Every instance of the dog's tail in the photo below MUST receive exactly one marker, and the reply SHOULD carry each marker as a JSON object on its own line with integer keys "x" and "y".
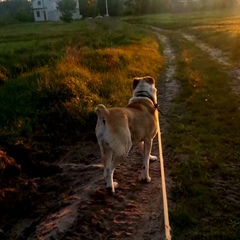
{"x": 101, "y": 111}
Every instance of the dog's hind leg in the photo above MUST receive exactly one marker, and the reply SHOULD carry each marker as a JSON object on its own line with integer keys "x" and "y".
{"x": 118, "y": 157}
{"x": 141, "y": 149}
{"x": 146, "y": 158}
{"x": 106, "y": 154}
{"x": 110, "y": 162}
{"x": 111, "y": 185}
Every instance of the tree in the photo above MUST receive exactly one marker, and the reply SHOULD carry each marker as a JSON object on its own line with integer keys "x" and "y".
{"x": 101, "y": 7}
{"x": 129, "y": 5}
{"x": 132, "y": 7}
{"x": 16, "y": 10}
{"x": 67, "y": 8}
{"x": 115, "y": 7}
{"x": 138, "y": 7}
{"x": 218, "y": 4}
{"x": 145, "y": 7}
{"x": 88, "y": 8}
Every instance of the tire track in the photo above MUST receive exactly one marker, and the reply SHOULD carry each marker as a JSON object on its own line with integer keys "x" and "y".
{"x": 168, "y": 86}
{"x": 218, "y": 56}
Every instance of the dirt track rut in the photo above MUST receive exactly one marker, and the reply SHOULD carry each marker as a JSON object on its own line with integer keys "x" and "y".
{"x": 224, "y": 62}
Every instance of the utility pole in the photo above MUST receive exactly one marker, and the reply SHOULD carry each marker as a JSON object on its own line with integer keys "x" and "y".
{"x": 107, "y": 15}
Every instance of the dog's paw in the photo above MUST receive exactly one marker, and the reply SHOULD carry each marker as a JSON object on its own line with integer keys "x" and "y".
{"x": 153, "y": 158}
{"x": 146, "y": 180}
{"x": 111, "y": 189}
{"x": 115, "y": 184}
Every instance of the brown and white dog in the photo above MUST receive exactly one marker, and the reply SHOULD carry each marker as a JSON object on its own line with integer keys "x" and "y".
{"x": 118, "y": 129}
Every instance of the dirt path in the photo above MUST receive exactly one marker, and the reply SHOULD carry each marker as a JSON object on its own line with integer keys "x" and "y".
{"x": 218, "y": 56}
{"x": 152, "y": 227}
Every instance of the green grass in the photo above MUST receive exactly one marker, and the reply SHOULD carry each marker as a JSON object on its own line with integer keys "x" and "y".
{"x": 54, "y": 74}
{"x": 183, "y": 20}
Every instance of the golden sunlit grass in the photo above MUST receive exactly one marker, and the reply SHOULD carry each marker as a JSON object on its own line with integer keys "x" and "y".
{"x": 102, "y": 75}
{"x": 226, "y": 30}
{"x": 232, "y": 29}
{"x": 195, "y": 79}
{"x": 58, "y": 95}
{"x": 230, "y": 20}
{"x": 214, "y": 28}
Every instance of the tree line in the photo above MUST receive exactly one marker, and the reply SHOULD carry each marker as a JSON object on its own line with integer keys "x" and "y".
{"x": 91, "y": 8}
{"x": 21, "y": 10}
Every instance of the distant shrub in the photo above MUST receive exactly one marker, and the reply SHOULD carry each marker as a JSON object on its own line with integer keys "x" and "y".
{"x": 67, "y": 8}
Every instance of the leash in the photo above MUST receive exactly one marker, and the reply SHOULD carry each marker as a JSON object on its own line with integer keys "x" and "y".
{"x": 164, "y": 191}
{"x": 157, "y": 106}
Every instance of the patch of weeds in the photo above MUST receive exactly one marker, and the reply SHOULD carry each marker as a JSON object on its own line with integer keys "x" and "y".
{"x": 181, "y": 219}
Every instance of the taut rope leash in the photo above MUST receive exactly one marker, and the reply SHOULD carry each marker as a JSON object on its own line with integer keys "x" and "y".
{"x": 164, "y": 192}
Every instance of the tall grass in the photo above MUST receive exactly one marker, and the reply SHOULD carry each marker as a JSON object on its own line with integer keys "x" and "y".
{"x": 51, "y": 96}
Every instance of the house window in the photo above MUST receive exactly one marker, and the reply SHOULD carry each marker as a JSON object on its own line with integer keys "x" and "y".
{"x": 39, "y": 2}
{"x": 38, "y": 14}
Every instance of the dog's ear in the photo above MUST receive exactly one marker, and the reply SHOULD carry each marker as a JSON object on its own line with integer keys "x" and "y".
{"x": 135, "y": 82}
{"x": 149, "y": 80}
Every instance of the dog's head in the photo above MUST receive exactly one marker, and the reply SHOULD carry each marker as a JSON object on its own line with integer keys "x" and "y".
{"x": 145, "y": 87}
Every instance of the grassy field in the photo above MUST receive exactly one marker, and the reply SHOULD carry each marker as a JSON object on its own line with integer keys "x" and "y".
{"x": 205, "y": 137}
{"x": 52, "y": 75}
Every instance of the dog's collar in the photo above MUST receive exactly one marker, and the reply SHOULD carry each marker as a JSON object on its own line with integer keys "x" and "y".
{"x": 147, "y": 95}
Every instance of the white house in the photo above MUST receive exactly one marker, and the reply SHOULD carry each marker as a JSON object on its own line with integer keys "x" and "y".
{"x": 46, "y": 10}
